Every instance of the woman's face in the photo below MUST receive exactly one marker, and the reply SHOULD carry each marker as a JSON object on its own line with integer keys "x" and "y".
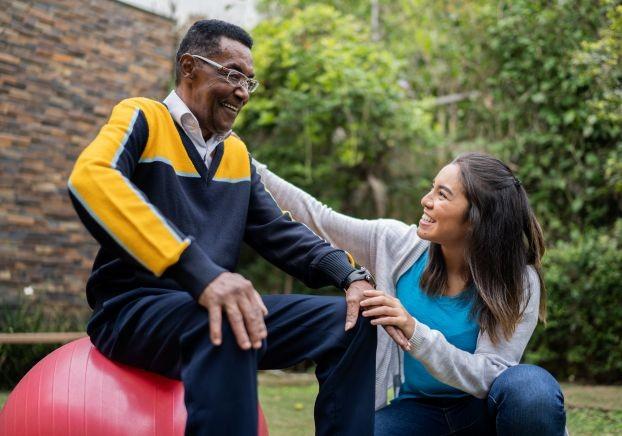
{"x": 444, "y": 209}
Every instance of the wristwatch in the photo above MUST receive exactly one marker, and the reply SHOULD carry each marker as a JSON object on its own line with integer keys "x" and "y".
{"x": 360, "y": 273}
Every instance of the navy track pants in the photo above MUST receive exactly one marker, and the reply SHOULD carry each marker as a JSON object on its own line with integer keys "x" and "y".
{"x": 167, "y": 332}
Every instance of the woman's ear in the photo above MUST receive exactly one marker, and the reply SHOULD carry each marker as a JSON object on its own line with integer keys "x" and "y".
{"x": 469, "y": 216}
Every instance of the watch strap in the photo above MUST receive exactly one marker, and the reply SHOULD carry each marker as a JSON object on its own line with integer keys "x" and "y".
{"x": 358, "y": 274}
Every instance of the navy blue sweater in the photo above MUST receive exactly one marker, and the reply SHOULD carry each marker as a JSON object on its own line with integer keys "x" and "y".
{"x": 164, "y": 220}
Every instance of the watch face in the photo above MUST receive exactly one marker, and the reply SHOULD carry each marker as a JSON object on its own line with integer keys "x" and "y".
{"x": 371, "y": 280}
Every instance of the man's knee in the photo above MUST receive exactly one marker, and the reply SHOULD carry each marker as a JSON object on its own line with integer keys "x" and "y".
{"x": 231, "y": 339}
{"x": 365, "y": 327}
{"x": 198, "y": 331}
{"x": 337, "y": 315}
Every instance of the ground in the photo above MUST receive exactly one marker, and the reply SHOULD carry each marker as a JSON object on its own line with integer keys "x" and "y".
{"x": 287, "y": 401}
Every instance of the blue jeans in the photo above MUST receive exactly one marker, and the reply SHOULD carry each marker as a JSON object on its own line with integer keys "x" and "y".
{"x": 523, "y": 400}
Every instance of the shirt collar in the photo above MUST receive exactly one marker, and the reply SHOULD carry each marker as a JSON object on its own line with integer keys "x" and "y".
{"x": 180, "y": 113}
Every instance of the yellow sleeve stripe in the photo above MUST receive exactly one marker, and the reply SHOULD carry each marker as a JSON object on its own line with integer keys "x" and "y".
{"x": 129, "y": 250}
{"x": 126, "y": 136}
{"x": 169, "y": 163}
{"x": 350, "y": 258}
{"x": 229, "y": 180}
{"x": 235, "y": 165}
{"x": 164, "y": 143}
{"x": 116, "y": 205}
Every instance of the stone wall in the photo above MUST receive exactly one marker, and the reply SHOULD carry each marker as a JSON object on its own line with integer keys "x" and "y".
{"x": 63, "y": 66}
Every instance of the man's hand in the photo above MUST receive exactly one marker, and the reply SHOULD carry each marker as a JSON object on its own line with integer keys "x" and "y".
{"x": 243, "y": 306}
{"x": 355, "y": 295}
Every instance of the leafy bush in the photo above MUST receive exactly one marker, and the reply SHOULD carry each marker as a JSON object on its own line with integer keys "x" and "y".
{"x": 332, "y": 114}
{"x": 556, "y": 93}
{"x": 27, "y": 314}
{"x": 582, "y": 339}
{"x": 539, "y": 85}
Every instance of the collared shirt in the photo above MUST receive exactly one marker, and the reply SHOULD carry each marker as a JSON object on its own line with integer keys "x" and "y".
{"x": 186, "y": 119}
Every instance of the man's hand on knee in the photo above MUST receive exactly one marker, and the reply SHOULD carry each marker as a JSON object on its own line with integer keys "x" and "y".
{"x": 354, "y": 297}
{"x": 243, "y": 305}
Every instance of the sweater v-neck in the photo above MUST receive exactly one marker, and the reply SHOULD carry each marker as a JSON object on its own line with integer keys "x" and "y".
{"x": 207, "y": 174}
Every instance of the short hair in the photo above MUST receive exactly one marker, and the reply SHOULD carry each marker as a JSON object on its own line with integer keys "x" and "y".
{"x": 203, "y": 38}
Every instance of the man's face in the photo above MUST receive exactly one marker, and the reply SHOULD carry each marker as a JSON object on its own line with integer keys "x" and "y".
{"x": 211, "y": 98}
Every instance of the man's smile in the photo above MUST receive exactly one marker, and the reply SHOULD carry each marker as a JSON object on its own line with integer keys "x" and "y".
{"x": 231, "y": 107}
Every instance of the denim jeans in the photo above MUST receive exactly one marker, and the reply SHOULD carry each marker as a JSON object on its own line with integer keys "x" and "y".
{"x": 523, "y": 400}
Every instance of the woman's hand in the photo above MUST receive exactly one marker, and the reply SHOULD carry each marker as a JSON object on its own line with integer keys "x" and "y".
{"x": 387, "y": 311}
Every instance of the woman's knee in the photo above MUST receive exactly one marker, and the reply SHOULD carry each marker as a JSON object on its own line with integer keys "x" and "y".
{"x": 526, "y": 385}
{"x": 394, "y": 419}
{"x": 528, "y": 393}
{"x": 526, "y": 381}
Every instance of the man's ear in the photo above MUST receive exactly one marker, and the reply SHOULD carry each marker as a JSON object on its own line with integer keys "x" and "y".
{"x": 187, "y": 66}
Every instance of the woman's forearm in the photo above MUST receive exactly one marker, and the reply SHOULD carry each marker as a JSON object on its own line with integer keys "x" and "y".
{"x": 474, "y": 372}
{"x": 351, "y": 234}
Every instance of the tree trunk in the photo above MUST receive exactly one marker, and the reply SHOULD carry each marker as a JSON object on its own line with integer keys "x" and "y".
{"x": 379, "y": 191}
{"x": 375, "y": 21}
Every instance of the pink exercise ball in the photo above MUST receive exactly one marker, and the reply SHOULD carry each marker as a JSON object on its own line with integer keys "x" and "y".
{"x": 76, "y": 391}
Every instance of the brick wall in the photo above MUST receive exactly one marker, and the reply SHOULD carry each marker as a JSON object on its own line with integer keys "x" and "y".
{"x": 63, "y": 66}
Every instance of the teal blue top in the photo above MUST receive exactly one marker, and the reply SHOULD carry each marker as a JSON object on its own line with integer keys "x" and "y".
{"x": 449, "y": 315}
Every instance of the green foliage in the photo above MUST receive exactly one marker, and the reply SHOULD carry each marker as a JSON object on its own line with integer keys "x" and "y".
{"x": 556, "y": 98}
{"x": 438, "y": 41}
{"x": 332, "y": 116}
{"x": 545, "y": 80}
{"x": 331, "y": 107}
{"x": 582, "y": 338}
{"x": 537, "y": 83}
{"x": 27, "y": 314}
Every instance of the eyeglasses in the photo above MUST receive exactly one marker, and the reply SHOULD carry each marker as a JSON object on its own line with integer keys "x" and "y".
{"x": 234, "y": 77}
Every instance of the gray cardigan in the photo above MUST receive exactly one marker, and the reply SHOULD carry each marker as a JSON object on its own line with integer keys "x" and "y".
{"x": 388, "y": 248}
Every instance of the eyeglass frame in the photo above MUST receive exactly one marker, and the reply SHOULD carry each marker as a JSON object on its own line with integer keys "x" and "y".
{"x": 250, "y": 85}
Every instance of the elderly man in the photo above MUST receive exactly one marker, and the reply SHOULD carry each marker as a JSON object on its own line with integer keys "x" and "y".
{"x": 170, "y": 193}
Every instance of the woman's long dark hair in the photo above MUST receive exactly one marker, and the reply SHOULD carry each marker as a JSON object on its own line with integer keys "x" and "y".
{"x": 504, "y": 238}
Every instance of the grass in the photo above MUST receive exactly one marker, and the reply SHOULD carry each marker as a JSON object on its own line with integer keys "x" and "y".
{"x": 594, "y": 422}
{"x": 287, "y": 400}
{"x": 593, "y": 409}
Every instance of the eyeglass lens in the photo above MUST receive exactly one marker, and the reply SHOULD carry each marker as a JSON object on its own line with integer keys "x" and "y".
{"x": 238, "y": 79}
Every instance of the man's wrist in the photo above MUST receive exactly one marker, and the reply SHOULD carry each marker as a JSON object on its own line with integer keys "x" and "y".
{"x": 360, "y": 273}
{"x": 335, "y": 267}
{"x": 194, "y": 270}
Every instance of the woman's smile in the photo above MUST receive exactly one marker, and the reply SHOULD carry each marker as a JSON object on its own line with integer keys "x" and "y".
{"x": 426, "y": 220}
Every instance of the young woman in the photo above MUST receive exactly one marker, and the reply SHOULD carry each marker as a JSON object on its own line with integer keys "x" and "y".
{"x": 464, "y": 286}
